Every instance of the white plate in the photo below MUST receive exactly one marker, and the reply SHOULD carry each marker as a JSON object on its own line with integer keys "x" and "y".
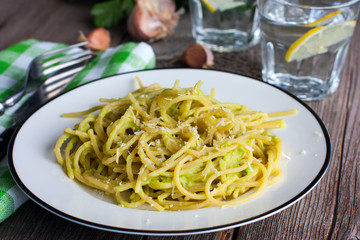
{"x": 34, "y": 167}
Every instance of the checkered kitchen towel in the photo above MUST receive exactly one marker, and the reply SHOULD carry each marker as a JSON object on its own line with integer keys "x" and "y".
{"x": 13, "y": 63}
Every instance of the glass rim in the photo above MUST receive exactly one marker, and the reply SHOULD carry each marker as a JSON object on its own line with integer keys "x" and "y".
{"x": 340, "y": 5}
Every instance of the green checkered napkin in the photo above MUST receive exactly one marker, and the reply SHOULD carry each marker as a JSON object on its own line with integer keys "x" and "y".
{"x": 13, "y": 64}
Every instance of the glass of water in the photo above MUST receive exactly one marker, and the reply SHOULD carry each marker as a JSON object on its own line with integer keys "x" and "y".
{"x": 225, "y": 25}
{"x": 304, "y": 44}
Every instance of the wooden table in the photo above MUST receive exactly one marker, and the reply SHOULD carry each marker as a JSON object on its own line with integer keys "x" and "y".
{"x": 330, "y": 211}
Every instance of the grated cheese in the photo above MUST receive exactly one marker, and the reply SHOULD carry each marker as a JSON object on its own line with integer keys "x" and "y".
{"x": 303, "y": 152}
{"x": 286, "y": 156}
{"x": 249, "y": 148}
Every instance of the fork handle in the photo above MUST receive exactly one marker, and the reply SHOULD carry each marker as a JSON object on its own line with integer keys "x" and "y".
{"x": 11, "y": 100}
{"x": 5, "y": 137}
{"x": 2, "y": 108}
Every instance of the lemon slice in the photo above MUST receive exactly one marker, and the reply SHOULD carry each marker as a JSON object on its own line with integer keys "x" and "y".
{"x": 222, "y": 5}
{"x": 318, "y": 39}
{"x": 324, "y": 20}
{"x": 210, "y": 5}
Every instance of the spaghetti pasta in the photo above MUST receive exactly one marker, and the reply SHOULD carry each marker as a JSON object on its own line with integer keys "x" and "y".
{"x": 173, "y": 148}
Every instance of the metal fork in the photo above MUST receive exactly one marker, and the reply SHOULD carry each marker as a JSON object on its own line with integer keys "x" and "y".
{"x": 57, "y": 79}
{"x": 42, "y": 68}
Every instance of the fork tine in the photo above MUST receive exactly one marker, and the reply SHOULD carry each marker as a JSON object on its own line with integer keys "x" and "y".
{"x": 61, "y": 50}
{"x": 56, "y": 84}
{"x": 61, "y": 85}
{"x": 65, "y": 57}
{"x": 57, "y": 79}
{"x": 67, "y": 64}
{"x": 61, "y": 79}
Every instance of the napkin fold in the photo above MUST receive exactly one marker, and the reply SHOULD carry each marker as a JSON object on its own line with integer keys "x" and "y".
{"x": 14, "y": 61}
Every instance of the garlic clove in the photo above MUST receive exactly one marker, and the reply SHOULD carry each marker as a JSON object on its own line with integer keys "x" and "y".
{"x": 209, "y": 57}
{"x": 197, "y": 56}
{"x": 99, "y": 39}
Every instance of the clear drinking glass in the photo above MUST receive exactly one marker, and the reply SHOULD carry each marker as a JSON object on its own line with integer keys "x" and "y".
{"x": 225, "y": 25}
{"x": 304, "y": 44}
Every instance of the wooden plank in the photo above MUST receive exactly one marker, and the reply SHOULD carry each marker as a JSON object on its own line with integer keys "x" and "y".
{"x": 209, "y": 236}
{"x": 347, "y": 214}
{"x": 52, "y": 20}
{"x": 33, "y": 222}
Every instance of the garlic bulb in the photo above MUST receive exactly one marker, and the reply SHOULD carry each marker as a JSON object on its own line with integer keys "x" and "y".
{"x": 152, "y": 19}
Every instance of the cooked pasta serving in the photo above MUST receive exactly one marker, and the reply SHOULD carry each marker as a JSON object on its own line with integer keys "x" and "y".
{"x": 173, "y": 149}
